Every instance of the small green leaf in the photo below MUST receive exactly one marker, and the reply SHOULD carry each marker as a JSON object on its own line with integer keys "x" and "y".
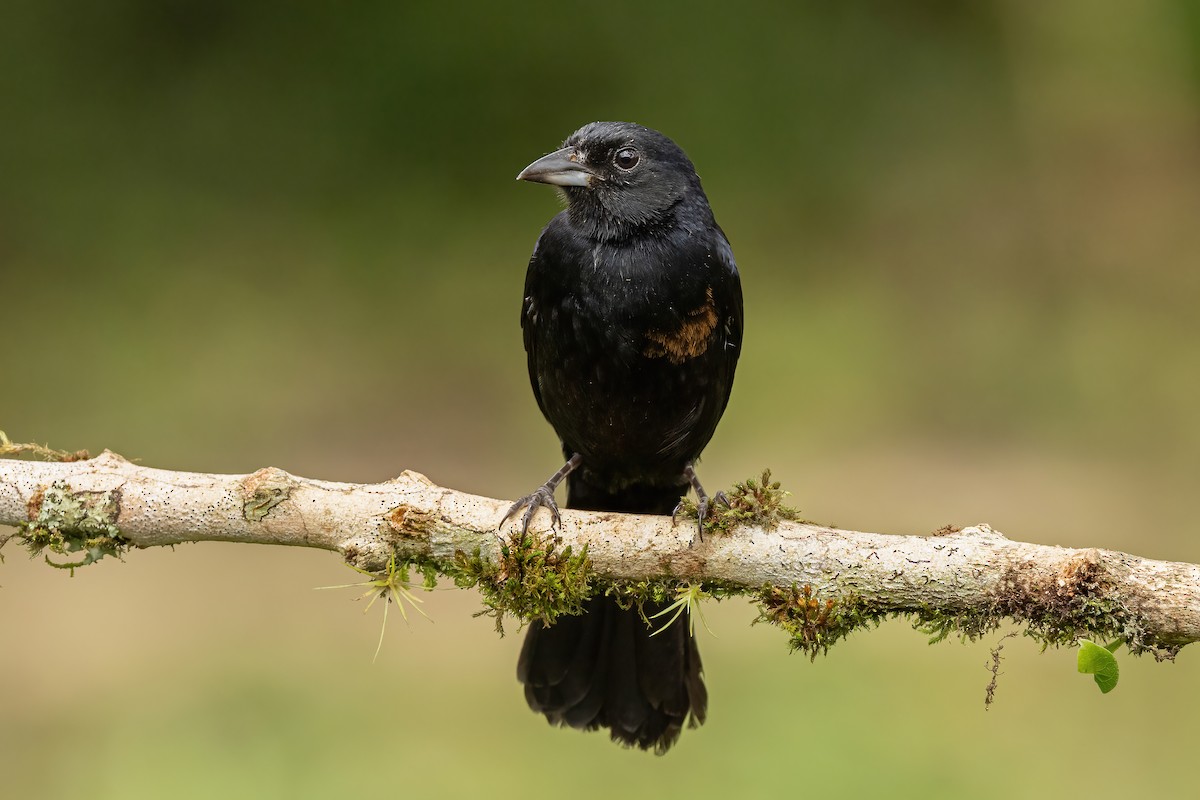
{"x": 1100, "y": 663}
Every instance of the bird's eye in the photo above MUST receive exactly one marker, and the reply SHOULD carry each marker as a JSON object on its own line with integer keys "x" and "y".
{"x": 626, "y": 158}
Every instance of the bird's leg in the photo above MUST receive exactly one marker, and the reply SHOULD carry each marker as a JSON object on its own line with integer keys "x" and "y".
{"x": 702, "y": 499}
{"x": 543, "y": 497}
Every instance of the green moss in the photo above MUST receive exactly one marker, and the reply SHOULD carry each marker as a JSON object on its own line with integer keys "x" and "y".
{"x": 533, "y": 579}
{"x": 1079, "y": 602}
{"x": 658, "y": 592}
{"x": 636, "y": 594}
{"x": 752, "y": 502}
{"x": 967, "y": 624}
{"x": 65, "y": 521}
{"x": 814, "y": 624}
{"x": 429, "y": 573}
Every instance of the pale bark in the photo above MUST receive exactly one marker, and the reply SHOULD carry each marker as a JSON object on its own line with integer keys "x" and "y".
{"x": 974, "y": 570}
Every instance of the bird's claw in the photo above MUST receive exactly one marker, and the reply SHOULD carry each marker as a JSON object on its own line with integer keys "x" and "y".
{"x": 542, "y": 497}
{"x": 703, "y": 502}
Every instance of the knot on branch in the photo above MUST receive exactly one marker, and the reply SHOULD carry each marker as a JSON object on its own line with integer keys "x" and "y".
{"x": 263, "y": 490}
{"x": 410, "y": 521}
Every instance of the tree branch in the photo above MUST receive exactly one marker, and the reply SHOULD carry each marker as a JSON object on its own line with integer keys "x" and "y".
{"x": 817, "y": 582}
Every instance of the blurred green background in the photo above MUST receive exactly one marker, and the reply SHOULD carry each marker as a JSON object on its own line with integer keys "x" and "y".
{"x": 245, "y": 234}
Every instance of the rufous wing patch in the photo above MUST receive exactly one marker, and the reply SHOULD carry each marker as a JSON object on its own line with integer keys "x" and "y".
{"x": 689, "y": 340}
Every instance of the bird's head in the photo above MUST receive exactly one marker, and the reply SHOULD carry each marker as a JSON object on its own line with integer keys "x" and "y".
{"x": 618, "y": 177}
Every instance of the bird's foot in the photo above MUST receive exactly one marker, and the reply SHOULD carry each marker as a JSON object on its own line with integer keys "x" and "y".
{"x": 703, "y": 501}
{"x": 542, "y": 497}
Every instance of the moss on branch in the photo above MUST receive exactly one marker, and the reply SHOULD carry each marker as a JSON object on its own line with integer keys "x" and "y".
{"x": 532, "y": 579}
{"x": 757, "y": 502}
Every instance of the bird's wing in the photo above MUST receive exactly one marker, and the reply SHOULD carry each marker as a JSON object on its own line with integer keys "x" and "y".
{"x": 732, "y": 291}
{"x": 728, "y": 298}
{"x": 529, "y": 322}
{"x": 539, "y": 279}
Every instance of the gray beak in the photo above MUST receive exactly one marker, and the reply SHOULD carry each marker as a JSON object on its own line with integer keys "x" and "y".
{"x": 561, "y": 168}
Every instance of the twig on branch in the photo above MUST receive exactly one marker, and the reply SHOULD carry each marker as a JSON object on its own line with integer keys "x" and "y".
{"x": 818, "y": 583}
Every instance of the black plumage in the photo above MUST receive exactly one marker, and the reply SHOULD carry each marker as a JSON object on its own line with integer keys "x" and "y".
{"x": 632, "y": 321}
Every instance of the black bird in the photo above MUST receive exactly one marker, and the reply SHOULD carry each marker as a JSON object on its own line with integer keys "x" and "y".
{"x": 633, "y": 324}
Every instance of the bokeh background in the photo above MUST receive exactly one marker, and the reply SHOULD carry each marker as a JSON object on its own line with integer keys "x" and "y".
{"x": 244, "y": 234}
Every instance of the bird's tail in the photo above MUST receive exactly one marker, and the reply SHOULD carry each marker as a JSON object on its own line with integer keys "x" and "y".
{"x": 603, "y": 669}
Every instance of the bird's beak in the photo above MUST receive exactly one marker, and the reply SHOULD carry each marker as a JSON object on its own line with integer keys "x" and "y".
{"x": 563, "y": 167}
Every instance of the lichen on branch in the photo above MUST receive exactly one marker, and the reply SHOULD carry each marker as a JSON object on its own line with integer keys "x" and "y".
{"x": 65, "y": 521}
